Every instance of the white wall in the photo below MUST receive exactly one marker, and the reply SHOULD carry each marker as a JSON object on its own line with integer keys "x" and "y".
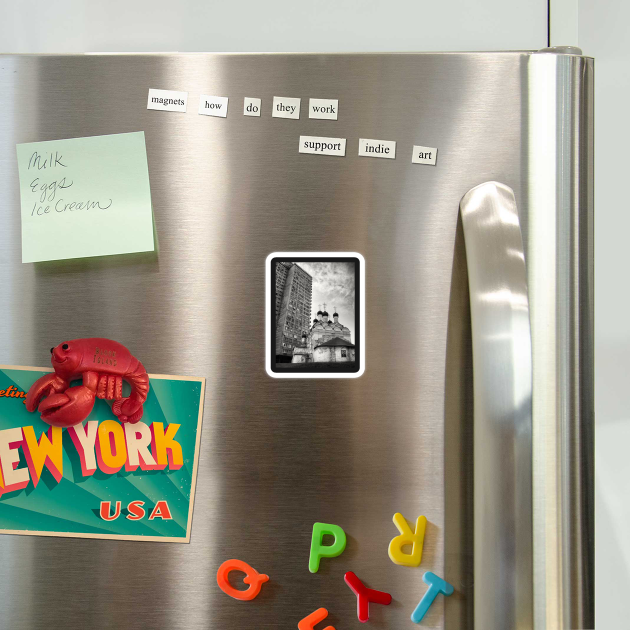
{"x": 270, "y": 25}
{"x": 604, "y": 27}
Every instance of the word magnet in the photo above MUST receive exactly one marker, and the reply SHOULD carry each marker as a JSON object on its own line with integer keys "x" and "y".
{"x": 436, "y": 586}
{"x": 213, "y": 106}
{"x": 252, "y": 577}
{"x": 319, "y": 550}
{"x": 285, "y": 107}
{"x": 407, "y": 537}
{"x": 424, "y": 155}
{"x": 365, "y": 595}
{"x": 251, "y": 106}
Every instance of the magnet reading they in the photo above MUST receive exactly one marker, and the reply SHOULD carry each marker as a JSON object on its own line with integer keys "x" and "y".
{"x": 252, "y": 577}
{"x": 407, "y": 537}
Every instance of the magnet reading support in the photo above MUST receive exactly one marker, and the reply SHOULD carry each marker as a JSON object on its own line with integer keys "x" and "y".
{"x": 436, "y": 586}
{"x": 407, "y": 537}
{"x": 252, "y": 577}
{"x": 308, "y": 623}
{"x": 365, "y": 596}
{"x": 319, "y": 551}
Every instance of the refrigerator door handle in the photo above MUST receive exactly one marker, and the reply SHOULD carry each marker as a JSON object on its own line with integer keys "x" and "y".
{"x": 502, "y": 374}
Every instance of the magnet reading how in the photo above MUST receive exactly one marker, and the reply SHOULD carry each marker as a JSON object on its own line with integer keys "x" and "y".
{"x": 252, "y": 577}
{"x": 377, "y": 148}
{"x": 213, "y": 105}
{"x": 407, "y": 537}
{"x": 322, "y": 146}
{"x": 285, "y": 107}
{"x": 436, "y": 586}
{"x": 424, "y": 155}
{"x": 319, "y": 550}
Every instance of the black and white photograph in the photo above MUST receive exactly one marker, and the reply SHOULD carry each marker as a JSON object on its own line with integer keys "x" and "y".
{"x": 315, "y": 323}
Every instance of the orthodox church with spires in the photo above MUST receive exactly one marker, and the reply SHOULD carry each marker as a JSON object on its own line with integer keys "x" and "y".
{"x": 327, "y": 341}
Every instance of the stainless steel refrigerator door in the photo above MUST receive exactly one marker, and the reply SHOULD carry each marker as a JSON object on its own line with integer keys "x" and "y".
{"x": 278, "y": 455}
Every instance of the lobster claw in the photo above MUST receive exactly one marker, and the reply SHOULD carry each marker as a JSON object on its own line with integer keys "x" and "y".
{"x": 127, "y": 410}
{"x": 68, "y": 408}
{"x": 43, "y": 386}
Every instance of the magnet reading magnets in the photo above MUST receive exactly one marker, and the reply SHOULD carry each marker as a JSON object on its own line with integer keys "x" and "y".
{"x": 252, "y": 577}
{"x": 103, "y": 364}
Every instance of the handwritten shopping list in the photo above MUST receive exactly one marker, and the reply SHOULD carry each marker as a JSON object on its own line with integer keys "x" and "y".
{"x": 85, "y": 197}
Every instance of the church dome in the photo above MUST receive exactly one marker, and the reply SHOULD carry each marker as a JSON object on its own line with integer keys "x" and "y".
{"x": 325, "y": 313}
{"x": 319, "y": 313}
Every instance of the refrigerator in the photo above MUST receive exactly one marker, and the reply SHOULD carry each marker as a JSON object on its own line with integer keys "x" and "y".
{"x": 472, "y": 400}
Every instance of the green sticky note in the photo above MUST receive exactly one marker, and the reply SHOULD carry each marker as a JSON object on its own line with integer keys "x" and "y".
{"x": 85, "y": 197}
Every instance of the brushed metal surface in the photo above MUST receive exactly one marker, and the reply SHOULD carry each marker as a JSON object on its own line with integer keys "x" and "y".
{"x": 275, "y": 455}
{"x": 502, "y": 368}
{"x": 560, "y": 276}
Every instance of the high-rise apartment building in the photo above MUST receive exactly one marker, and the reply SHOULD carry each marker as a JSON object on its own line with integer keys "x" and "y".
{"x": 294, "y": 288}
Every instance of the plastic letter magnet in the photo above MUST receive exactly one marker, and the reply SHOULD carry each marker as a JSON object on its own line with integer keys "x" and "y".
{"x": 365, "y": 596}
{"x": 407, "y": 537}
{"x": 436, "y": 586}
{"x": 319, "y": 551}
{"x": 252, "y": 577}
{"x": 308, "y": 623}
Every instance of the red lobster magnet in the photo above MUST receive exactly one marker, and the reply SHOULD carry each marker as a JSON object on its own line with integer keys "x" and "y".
{"x": 103, "y": 364}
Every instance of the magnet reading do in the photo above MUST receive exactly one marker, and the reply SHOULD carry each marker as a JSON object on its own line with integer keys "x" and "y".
{"x": 251, "y": 106}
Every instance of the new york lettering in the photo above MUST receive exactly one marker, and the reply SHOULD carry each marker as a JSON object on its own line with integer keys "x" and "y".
{"x": 108, "y": 447}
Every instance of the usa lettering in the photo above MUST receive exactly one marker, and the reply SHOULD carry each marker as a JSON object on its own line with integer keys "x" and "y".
{"x": 136, "y": 511}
